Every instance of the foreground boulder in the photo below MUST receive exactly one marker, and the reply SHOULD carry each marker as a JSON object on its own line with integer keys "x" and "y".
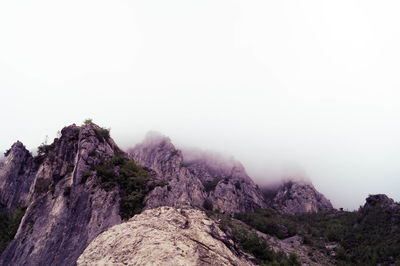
{"x": 164, "y": 236}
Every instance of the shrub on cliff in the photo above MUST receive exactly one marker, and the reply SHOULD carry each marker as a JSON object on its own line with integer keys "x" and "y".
{"x": 131, "y": 180}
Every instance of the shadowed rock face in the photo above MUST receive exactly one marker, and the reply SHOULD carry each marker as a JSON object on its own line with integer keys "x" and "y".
{"x": 382, "y": 210}
{"x": 224, "y": 185}
{"x": 164, "y": 236}
{"x": 67, "y": 209}
{"x": 297, "y": 197}
{"x": 380, "y": 200}
{"x": 16, "y": 177}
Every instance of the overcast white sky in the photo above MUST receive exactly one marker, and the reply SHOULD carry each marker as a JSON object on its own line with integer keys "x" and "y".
{"x": 273, "y": 83}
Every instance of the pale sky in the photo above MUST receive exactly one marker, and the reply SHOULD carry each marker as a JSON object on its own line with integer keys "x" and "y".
{"x": 310, "y": 84}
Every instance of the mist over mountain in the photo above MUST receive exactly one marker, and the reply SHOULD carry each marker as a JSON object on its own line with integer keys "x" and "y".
{"x": 62, "y": 204}
{"x": 279, "y": 132}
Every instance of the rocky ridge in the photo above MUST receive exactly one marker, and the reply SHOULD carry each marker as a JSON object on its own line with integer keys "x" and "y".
{"x": 16, "y": 177}
{"x": 299, "y": 197}
{"x": 164, "y": 236}
{"x": 197, "y": 180}
{"x": 67, "y": 208}
{"x": 68, "y": 203}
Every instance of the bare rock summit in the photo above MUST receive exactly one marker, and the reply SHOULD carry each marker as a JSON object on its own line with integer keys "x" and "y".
{"x": 298, "y": 197}
{"x": 195, "y": 178}
{"x": 164, "y": 236}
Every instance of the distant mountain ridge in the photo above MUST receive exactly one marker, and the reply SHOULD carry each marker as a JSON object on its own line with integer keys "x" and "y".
{"x": 298, "y": 197}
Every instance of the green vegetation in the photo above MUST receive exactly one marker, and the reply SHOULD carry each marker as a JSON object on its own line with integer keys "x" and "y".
{"x": 269, "y": 222}
{"x": 131, "y": 180}
{"x": 250, "y": 242}
{"x": 88, "y": 121}
{"x": 9, "y": 226}
{"x": 369, "y": 236}
{"x": 102, "y": 134}
{"x": 43, "y": 150}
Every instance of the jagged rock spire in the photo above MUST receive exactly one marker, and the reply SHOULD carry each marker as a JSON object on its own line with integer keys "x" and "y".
{"x": 16, "y": 177}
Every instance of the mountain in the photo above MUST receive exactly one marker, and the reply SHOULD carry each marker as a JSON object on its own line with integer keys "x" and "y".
{"x": 66, "y": 208}
{"x": 83, "y": 197}
{"x": 195, "y": 178}
{"x": 83, "y": 183}
{"x": 298, "y": 197}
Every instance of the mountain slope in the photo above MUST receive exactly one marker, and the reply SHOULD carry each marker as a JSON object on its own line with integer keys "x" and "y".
{"x": 197, "y": 181}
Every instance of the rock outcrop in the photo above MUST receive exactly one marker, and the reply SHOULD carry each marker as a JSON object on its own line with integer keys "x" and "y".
{"x": 16, "y": 178}
{"x": 164, "y": 236}
{"x": 380, "y": 200}
{"x": 299, "y": 196}
{"x": 195, "y": 178}
{"x": 380, "y": 207}
{"x": 67, "y": 209}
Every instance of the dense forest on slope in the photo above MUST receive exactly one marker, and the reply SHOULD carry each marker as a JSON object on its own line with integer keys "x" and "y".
{"x": 9, "y": 225}
{"x": 369, "y": 236}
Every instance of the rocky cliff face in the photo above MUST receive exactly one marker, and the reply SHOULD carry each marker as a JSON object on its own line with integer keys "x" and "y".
{"x": 67, "y": 209}
{"x": 16, "y": 177}
{"x": 164, "y": 236}
{"x": 82, "y": 184}
{"x": 297, "y": 197}
{"x": 195, "y": 179}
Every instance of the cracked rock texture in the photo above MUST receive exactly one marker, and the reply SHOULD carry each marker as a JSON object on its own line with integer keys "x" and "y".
{"x": 195, "y": 177}
{"x": 164, "y": 236}
{"x": 66, "y": 207}
{"x": 298, "y": 197}
{"x": 16, "y": 177}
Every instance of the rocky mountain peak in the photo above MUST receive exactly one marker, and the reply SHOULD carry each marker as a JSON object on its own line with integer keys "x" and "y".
{"x": 195, "y": 177}
{"x": 159, "y": 154}
{"x": 299, "y": 196}
{"x": 212, "y": 165}
{"x": 17, "y": 152}
{"x": 65, "y": 202}
{"x": 16, "y": 177}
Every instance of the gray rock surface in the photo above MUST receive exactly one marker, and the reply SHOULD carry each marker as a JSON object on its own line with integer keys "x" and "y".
{"x": 164, "y": 236}
{"x": 195, "y": 178}
{"x": 67, "y": 208}
{"x": 16, "y": 178}
{"x": 299, "y": 196}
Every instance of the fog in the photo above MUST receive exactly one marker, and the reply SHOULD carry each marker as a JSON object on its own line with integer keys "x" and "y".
{"x": 306, "y": 89}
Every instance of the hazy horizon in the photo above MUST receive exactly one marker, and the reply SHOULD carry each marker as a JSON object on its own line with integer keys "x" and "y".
{"x": 306, "y": 88}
